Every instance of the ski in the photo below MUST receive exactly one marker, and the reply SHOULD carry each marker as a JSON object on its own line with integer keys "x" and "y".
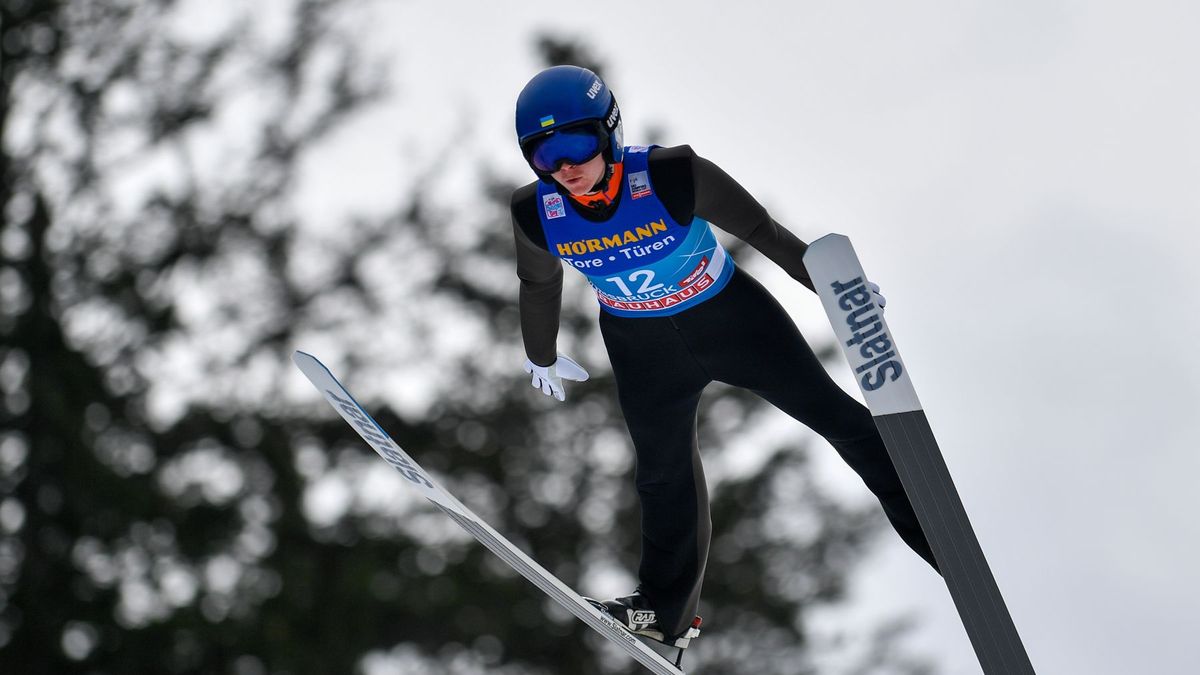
{"x": 382, "y": 443}
{"x": 871, "y": 350}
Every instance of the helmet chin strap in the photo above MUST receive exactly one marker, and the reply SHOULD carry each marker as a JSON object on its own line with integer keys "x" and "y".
{"x": 605, "y": 191}
{"x": 603, "y": 182}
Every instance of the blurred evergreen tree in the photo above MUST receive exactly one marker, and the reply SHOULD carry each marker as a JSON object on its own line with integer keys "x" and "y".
{"x": 172, "y": 499}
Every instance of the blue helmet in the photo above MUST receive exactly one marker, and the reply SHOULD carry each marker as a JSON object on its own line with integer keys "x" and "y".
{"x": 567, "y": 114}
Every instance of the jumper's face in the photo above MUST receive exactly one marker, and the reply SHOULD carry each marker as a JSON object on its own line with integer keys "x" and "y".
{"x": 580, "y": 178}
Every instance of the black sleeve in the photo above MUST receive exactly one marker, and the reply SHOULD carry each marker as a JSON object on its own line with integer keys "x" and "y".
{"x": 690, "y": 185}
{"x": 671, "y": 174}
{"x": 541, "y": 275}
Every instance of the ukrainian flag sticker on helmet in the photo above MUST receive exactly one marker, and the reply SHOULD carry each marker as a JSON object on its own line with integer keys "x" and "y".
{"x": 546, "y": 121}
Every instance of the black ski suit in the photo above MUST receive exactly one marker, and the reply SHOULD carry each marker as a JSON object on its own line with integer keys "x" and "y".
{"x": 740, "y": 336}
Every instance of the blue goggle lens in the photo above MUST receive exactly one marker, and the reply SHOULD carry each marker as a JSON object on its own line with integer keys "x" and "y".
{"x": 564, "y": 147}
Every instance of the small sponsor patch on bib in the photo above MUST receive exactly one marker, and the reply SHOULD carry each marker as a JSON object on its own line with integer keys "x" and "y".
{"x": 555, "y": 208}
{"x": 639, "y": 184}
{"x": 639, "y": 148}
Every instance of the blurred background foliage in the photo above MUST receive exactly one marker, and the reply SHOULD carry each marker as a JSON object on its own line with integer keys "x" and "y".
{"x": 173, "y": 499}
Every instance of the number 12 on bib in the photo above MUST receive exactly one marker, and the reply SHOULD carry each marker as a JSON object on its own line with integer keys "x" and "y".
{"x": 883, "y": 378}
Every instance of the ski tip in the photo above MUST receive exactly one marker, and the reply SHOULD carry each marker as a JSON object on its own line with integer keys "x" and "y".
{"x": 831, "y": 239}
{"x": 830, "y": 236}
{"x": 310, "y": 365}
{"x": 299, "y": 357}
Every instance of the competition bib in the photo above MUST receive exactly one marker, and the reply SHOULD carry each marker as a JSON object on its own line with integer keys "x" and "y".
{"x": 640, "y": 262}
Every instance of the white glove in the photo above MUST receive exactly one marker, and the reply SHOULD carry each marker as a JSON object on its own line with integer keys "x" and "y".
{"x": 550, "y": 378}
{"x": 879, "y": 299}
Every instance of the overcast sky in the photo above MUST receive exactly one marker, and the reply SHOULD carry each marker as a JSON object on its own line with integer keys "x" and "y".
{"x": 1020, "y": 177}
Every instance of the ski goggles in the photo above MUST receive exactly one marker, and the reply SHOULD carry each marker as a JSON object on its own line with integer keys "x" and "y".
{"x": 570, "y": 145}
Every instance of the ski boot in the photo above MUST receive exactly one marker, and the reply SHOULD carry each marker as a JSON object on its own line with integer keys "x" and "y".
{"x": 634, "y": 613}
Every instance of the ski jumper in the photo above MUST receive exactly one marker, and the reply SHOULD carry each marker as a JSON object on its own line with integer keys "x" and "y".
{"x": 676, "y": 313}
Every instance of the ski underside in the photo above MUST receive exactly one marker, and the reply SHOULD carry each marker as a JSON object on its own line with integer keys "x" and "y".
{"x": 377, "y": 438}
{"x": 883, "y": 378}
